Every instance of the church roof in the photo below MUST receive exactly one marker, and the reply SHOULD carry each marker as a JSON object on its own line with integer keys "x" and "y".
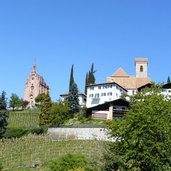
{"x": 120, "y": 73}
{"x": 130, "y": 82}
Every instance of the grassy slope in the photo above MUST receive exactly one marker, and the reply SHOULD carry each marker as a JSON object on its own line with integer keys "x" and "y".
{"x": 23, "y": 119}
{"x": 20, "y": 154}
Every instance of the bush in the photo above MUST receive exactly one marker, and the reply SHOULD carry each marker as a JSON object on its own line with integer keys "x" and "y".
{"x": 39, "y": 130}
{"x": 15, "y": 132}
{"x": 68, "y": 162}
{"x": 60, "y": 113}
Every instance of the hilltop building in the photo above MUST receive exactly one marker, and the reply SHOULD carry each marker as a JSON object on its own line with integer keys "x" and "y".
{"x": 102, "y": 98}
{"x": 132, "y": 83}
{"x": 35, "y": 85}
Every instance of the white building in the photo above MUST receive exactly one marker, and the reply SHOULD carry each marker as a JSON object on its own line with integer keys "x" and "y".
{"x": 103, "y": 92}
{"x": 129, "y": 82}
{"x": 81, "y": 97}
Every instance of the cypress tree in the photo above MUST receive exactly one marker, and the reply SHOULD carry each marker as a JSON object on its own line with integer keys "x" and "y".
{"x": 91, "y": 78}
{"x": 92, "y": 74}
{"x": 168, "y": 79}
{"x": 3, "y": 114}
{"x": 86, "y": 83}
{"x": 71, "y": 82}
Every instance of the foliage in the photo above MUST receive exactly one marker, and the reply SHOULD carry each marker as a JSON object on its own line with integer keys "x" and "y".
{"x": 71, "y": 82}
{"x": 15, "y": 132}
{"x": 143, "y": 138}
{"x": 68, "y": 161}
{"x": 73, "y": 100}
{"x": 39, "y": 130}
{"x": 72, "y": 162}
{"x": 59, "y": 112}
{"x": 45, "y": 107}
{"x": 15, "y": 101}
{"x": 86, "y": 83}
{"x": 3, "y": 114}
{"x": 90, "y": 78}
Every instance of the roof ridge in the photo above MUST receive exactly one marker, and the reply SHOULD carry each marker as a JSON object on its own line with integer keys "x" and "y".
{"x": 120, "y": 73}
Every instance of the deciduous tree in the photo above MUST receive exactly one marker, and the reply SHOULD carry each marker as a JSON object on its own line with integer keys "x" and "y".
{"x": 45, "y": 107}
{"x": 15, "y": 101}
{"x": 143, "y": 137}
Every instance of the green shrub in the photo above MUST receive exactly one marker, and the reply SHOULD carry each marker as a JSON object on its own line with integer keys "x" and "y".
{"x": 67, "y": 162}
{"x": 39, "y": 130}
{"x": 15, "y": 132}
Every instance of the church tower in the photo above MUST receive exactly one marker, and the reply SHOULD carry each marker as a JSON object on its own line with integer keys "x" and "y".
{"x": 141, "y": 65}
{"x": 35, "y": 85}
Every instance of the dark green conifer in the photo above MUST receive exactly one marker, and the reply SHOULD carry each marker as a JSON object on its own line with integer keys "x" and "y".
{"x": 71, "y": 82}
{"x": 73, "y": 100}
{"x": 3, "y": 114}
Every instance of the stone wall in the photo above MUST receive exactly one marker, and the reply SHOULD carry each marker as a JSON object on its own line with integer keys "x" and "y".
{"x": 79, "y": 134}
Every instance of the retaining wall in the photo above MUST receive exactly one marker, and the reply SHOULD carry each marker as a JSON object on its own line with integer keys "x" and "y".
{"x": 79, "y": 134}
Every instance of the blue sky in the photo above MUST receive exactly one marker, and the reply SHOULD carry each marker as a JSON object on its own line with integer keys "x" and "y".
{"x": 59, "y": 33}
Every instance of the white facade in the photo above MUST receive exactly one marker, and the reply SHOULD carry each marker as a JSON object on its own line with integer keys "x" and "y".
{"x": 81, "y": 97}
{"x": 166, "y": 90}
{"x": 101, "y": 93}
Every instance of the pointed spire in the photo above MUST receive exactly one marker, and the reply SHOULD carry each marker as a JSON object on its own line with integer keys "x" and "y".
{"x": 34, "y": 66}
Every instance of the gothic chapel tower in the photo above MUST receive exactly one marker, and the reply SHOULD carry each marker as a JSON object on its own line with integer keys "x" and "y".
{"x": 141, "y": 65}
{"x": 35, "y": 85}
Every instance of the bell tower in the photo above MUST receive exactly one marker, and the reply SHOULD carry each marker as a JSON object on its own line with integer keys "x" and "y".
{"x": 141, "y": 65}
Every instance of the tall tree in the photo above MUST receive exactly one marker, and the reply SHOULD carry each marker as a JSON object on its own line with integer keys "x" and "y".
{"x": 91, "y": 77}
{"x": 15, "y": 101}
{"x": 45, "y": 117}
{"x": 168, "y": 79}
{"x": 3, "y": 113}
{"x": 71, "y": 82}
{"x": 73, "y": 100}
{"x": 143, "y": 137}
{"x": 86, "y": 83}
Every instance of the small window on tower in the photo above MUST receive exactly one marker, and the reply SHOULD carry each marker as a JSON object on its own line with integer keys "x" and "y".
{"x": 32, "y": 87}
{"x": 141, "y": 68}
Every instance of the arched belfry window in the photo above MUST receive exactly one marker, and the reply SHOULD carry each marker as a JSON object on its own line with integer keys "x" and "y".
{"x": 141, "y": 68}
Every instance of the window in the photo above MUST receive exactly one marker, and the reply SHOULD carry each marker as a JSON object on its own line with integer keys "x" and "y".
{"x": 91, "y": 88}
{"x": 99, "y": 87}
{"x": 141, "y": 68}
{"x": 91, "y": 95}
{"x": 97, "y": 95}
{"x": 109, "y": 94}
